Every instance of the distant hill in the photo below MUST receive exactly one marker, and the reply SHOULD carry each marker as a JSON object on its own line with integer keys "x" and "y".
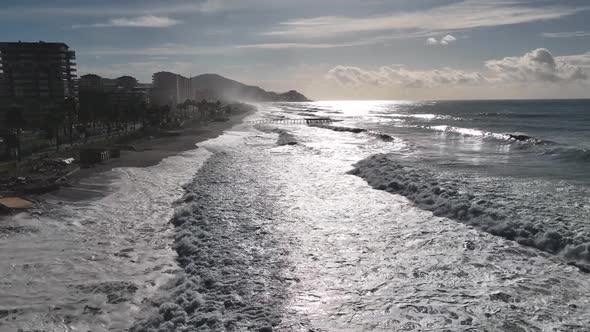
{"x": 214, "y": 85}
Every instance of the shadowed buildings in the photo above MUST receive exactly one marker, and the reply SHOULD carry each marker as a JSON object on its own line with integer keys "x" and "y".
{"x": 170, "y": 89}
{"x": 108, "y": 100}
{"x": 36, "y": 78}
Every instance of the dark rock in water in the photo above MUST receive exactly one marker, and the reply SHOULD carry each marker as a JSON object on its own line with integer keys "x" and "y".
{"x": 265, "y": 329}
{"x": 469, "y": 245}
{"x": 520, "y": 137}
{"x": 583, "y": 267}
{"x": 500, "y": 297}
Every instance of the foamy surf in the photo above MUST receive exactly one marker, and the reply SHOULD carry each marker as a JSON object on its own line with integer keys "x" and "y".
{"x": 94, "y": 265}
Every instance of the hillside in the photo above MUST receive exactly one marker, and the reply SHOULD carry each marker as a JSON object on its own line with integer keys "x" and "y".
{"x": 221, "y": 87}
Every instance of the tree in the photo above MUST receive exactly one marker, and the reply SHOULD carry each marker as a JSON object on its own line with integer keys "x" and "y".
{"x": 53, "y": 120}
{"x": 70, "y": 112}
{"x": 15, "y": 122}
{"x": 127, "y": 82}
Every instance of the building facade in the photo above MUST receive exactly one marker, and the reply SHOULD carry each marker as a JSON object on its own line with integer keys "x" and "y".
{"x": 104, "y": 99}
{"x": 170, "y": 89}
{"x": 36, "y": 77}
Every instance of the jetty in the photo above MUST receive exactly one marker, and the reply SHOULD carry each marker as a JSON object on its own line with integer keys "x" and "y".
{"x": 293, "y": 121}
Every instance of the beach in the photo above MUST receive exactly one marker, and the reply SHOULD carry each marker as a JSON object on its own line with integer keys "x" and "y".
{"x": 93, "y": 254}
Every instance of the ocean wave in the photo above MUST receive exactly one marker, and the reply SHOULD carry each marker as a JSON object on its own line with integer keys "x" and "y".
{"x": 378, "y": 135}
{"x": 567, "y": 153}
{"x": 468, "y": 132}
{"x": 425, "y": 116}
{"x": 515, "y": 115}
{"x": 529, "y": 223}
{"x": 473, "y": 132}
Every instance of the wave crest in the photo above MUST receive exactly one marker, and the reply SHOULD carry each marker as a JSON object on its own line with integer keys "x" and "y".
{"x": 447, "y": 197}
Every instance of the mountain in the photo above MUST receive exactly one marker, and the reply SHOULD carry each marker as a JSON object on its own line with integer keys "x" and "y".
{"x": 213, "y": 85}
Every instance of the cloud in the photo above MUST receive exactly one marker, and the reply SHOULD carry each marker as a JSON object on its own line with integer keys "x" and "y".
{"x": 402, "y": 76}
{"x": 135, "y": 8}
{"x": 446, "y": 40}
{"x": 461, "y": 15}
{"x": 280, "y": 46}
{"x": 431, "y": 41}
{"x": 169, "y": 49}
{"x": 571, "y": 34}
{"x": 580, "y": 60}
{"x": 148, "y": 21}
{"x": 535, "y": 67}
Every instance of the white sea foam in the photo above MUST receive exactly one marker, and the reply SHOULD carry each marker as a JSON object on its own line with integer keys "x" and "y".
{"x": 514, "y": 218}
{"x": 93, "y": 265}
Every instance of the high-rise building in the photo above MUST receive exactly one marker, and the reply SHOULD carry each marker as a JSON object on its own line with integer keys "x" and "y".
{"x": 36, "y": 77}
{"x": 170, "y": 89}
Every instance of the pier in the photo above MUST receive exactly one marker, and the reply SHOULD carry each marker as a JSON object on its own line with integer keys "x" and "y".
{"x": 293, "y": 121}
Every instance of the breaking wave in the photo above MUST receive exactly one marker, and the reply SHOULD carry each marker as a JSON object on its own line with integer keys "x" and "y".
{"x": 378, "y": 135}
{"x": 528, "y": 223}
{"x": 509, "y": 137}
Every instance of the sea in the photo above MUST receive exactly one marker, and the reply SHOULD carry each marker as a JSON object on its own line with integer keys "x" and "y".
{"x": 326, "y": 216}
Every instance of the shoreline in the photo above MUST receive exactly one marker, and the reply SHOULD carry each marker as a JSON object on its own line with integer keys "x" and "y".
{"x": 151, "y": 151}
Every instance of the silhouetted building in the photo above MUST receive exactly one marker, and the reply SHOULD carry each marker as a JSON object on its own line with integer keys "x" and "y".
{"x": 90, "y": 82}
{"x": 170, "y": 89}
{"x": 36, "y": 77}
{"x": 105, "y": 98}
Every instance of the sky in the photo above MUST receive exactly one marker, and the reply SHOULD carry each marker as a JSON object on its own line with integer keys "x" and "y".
{"x": 328, "y": 49}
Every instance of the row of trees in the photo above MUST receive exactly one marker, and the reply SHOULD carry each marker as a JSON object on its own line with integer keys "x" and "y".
{"x": 95, "y": 113}
{"x": 53, "y": 123}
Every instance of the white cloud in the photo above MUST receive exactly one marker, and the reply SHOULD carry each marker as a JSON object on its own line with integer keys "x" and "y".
{"x": 402, "y": 76}
{"x": 431, "y": 41}
{"x": 580, "y": 60}
{"x": 571, "y": 34}
{"x": 446, "y": 40}
{"x": 148, "y": 21}
{"x": 535, "y": 67}
{"x": 456, "y": 16}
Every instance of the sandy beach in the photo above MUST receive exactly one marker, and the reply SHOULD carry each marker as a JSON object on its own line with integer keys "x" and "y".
{"x": 150, "y": 151}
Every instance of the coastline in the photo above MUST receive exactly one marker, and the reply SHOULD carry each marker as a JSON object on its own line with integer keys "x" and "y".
{"x": 79, "y": 245}
{"x": 151, "y": 151}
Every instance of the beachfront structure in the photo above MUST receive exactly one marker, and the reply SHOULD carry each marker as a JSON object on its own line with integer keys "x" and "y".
{"x": 170, "y": 89}
{"x": 117, "y": 97}
{"x": 36, "y": 77}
